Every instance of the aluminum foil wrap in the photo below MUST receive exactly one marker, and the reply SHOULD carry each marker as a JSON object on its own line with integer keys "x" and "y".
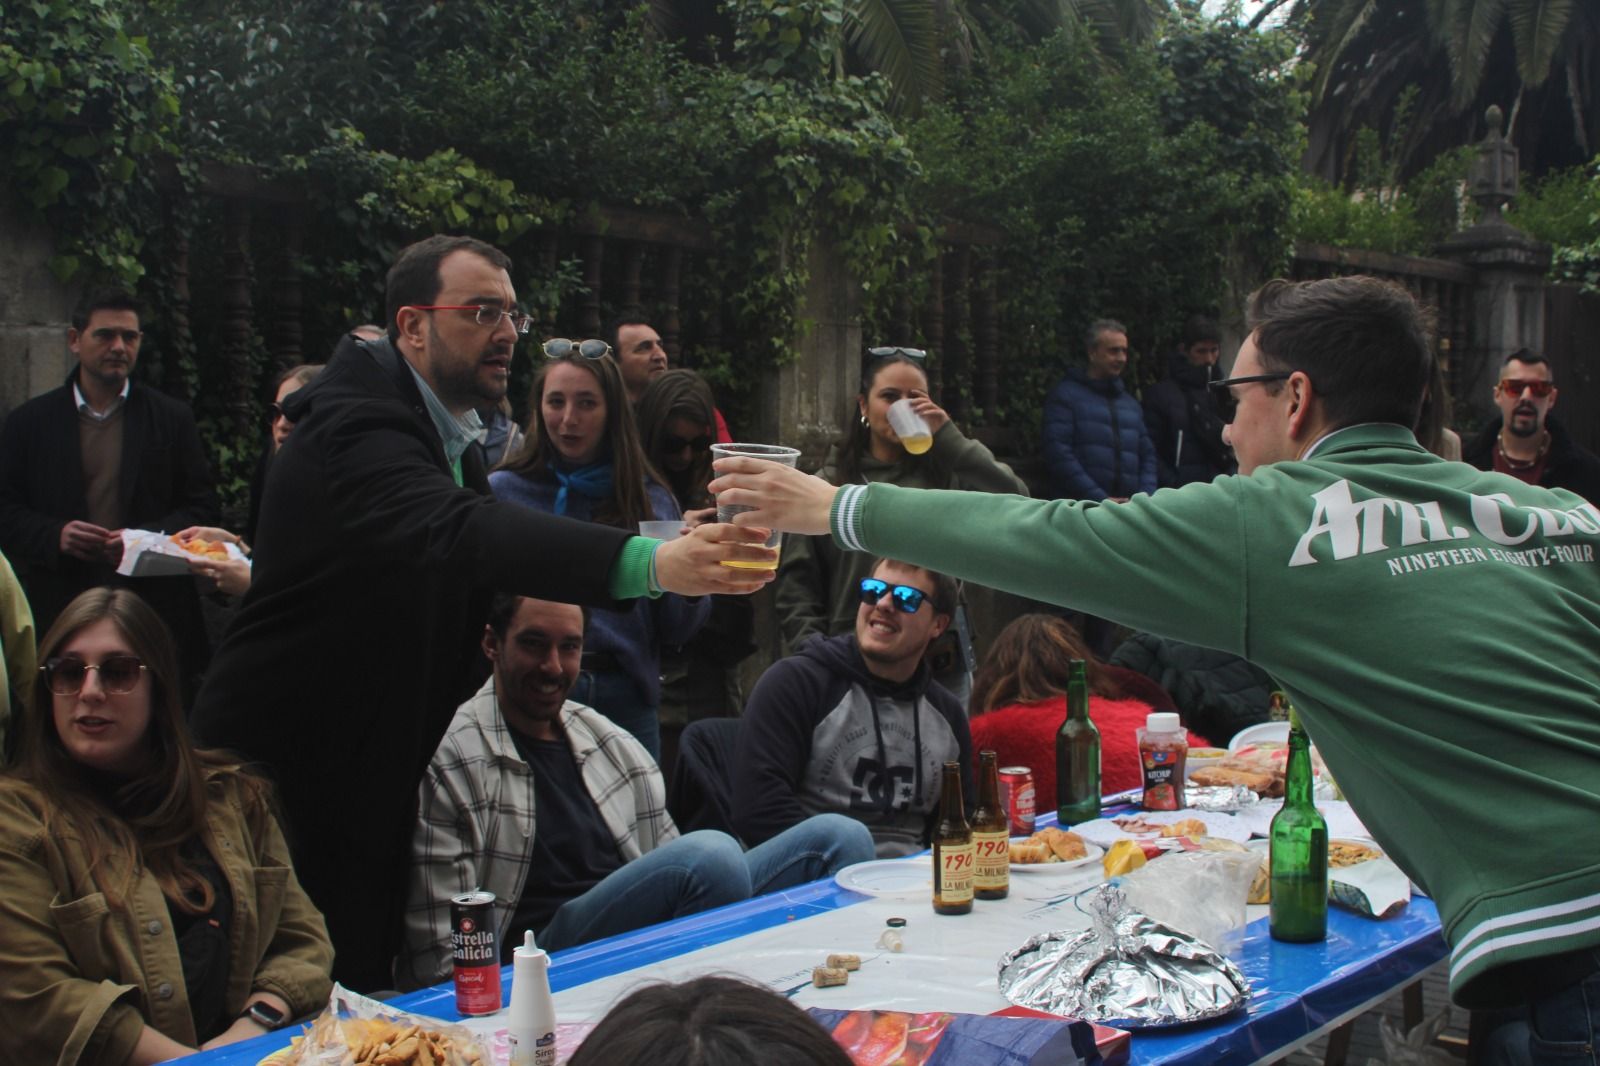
{"x": 1127, "y": 971}
{"x": 1220, "y": 798}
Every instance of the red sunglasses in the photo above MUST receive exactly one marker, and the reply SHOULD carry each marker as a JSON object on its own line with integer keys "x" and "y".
{"x": 1513, "y": 387}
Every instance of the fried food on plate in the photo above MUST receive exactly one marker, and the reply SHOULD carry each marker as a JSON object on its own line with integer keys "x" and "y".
{"x": 1048, "y": 845}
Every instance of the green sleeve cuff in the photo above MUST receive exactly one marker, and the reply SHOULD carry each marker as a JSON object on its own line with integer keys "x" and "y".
{"x": 630, "y": 574}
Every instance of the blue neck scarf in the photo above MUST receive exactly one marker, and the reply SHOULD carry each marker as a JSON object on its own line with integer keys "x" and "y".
{"x": 593, "y": 481}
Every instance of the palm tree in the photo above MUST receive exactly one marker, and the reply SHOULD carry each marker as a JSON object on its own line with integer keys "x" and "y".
{"x": 1538, "y": 59}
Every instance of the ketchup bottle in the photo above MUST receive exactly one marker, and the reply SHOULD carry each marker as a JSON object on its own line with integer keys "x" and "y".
{"x": 1163, "y": 751}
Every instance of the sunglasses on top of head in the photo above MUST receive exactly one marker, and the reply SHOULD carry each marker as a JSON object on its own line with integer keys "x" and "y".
{"x": 118, "y": 674}
{"x": 916, "y": 355}
{"x": 1514, "y": 387}
{"x": 561, "y": 347}
{"x": 905, "y": 597}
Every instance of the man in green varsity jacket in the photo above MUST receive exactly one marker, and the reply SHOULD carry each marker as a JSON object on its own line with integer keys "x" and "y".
{"x": 1437, "y": 626}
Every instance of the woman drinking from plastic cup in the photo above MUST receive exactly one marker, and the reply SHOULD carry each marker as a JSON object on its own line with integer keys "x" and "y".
{"x": 818, "y": 585}
{"x": 148, "y": 906}
{"x": 582, "y": 458}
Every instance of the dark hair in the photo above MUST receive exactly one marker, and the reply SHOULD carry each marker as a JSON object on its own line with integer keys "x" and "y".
{"x": 503, "y": 608}
{"x": 414, "y": 279}
{"x": 632, "y": 317}
{"x": 1362, "y": 341}
{"x": 102, "y": 299}
{"x": 152, "y": 820}
{"x": 1525, "y": 355}
{"x": 853, "y": 442}
{"x": 1197, "y": 328}
{"x": 630, "y": 502}
{"x": 1091, "y": 336}
{"x": 709, "y": 1021}
{"x": 1433, "y": 417}
{"x": 945, "y": 592}
{"x": 678, "y": 394}
{"x": 1030, "y": 660}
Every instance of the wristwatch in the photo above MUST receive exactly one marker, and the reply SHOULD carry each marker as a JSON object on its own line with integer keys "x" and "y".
{"x": 265, "y": 1015}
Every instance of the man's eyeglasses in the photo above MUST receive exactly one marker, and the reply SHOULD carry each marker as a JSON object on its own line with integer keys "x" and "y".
{"x": 119, "y": 674}
{"x": 560, "y": 348}
{"x": 1227, "y": 383}
{"x": 488, "y": 315}
{"x": 914, "y": 354}
{"x": 1514, "y": 387}
{"x": 678, "y": 444}
{"x": 905, "y": 597}
{"x": 130, "y": 337}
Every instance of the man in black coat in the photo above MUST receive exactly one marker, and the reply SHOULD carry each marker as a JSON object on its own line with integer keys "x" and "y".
{"x": 1526, "y": 441}
{"x": 1182, "y": 415}
{"x": 377, "y": 551}
{"x": 97, "y": 455}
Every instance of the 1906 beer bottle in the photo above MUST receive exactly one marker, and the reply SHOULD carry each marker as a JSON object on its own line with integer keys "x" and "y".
{"x": 1077, "y": 755}
{"x": 952, "y": 848}
{"x": 991, "y": 839}
{"x": 1298, "y": 862}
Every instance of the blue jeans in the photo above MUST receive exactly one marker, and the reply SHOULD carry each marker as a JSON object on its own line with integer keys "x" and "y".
{"x": 702, "y": 870}
{"x": 1561, "y": 1028}
{"x": 617, "y": 697}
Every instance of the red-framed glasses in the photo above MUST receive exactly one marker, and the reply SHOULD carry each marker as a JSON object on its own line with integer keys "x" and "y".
{"x": 1514, "y": 387}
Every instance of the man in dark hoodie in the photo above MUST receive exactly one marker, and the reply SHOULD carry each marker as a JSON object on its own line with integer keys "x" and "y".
{"x": 1182, "y": 413}
{"x": 854, "y": 724}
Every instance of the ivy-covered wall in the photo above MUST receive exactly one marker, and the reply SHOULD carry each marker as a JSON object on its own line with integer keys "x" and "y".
{"x": 1130, "y": 182}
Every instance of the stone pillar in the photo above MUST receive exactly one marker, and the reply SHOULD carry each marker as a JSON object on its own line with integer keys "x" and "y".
{"x": 1508, "y": 299}
{"x": 35, "y": 311}
{"x": 803, "y": 403}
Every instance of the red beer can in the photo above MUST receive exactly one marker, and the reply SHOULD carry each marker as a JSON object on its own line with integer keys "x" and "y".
{"x": 1016, "y": 796}
{"x": 477, "y": 960}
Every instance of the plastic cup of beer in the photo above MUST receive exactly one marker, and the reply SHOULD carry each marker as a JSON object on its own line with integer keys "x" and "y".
{"x": 776, "y": 453}
{"x": 663, "y": 529}
{"x": 910, "y": 427}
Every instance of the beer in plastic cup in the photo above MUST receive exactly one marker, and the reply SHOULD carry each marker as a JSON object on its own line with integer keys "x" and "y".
{"x": 910, "y": 427}
{"x": 776, "y": 453}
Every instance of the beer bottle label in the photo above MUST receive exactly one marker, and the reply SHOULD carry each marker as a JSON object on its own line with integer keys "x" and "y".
{"x": 953, "y": 866}
{"x": 991, "y": 860}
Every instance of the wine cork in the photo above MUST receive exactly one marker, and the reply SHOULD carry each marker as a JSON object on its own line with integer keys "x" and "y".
{"x": 828, "y": 976}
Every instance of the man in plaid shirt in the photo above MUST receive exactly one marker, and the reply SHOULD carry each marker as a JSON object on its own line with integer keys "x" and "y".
{"x": 607, "y": 856}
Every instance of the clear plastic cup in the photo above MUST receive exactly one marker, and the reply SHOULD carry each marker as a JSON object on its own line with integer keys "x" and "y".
{"x": 776, "y": 453}
{"x": 662, "y": 529}
{"x": 912, "y": 429}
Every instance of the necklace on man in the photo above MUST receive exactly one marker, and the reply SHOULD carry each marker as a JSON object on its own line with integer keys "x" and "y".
{"x": 1521, "y": 464}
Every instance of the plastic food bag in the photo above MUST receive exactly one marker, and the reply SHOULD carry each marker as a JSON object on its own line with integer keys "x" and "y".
{"x": 357, "y": 1030}
{"x": 1200, "y": 892}
{"x": 1416, "y": 1047}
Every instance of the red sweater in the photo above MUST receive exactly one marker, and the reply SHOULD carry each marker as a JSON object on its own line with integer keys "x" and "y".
{"x": 1024, "y": 734}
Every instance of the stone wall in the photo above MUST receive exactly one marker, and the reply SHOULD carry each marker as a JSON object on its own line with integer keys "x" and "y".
{"x": 34, "y": 313}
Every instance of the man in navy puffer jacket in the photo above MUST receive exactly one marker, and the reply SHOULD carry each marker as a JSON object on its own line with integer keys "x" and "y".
{"x": 1095, "y": 443}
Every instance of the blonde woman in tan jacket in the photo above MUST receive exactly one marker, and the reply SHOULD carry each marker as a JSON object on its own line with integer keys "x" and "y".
{"x": 148, "y": 906}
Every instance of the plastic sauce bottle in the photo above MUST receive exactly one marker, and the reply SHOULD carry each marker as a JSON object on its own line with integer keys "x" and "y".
{"x": 531, "y": 1029}
{"x": 1163, "y": 751}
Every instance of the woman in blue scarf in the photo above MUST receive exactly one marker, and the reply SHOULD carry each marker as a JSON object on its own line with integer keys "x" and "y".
{"x": 582, "y": 458}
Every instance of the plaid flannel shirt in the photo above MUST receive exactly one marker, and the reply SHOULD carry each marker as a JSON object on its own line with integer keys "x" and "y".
{"x": 475, "y": 823}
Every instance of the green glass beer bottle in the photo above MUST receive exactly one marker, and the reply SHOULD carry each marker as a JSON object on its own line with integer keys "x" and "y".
{"x": 1077, "y": 755}
{"x": 1298, "y": 864}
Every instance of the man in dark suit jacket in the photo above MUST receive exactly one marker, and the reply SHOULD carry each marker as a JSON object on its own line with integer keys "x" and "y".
{"x": 377, "y": 552}
{"x": 98, "y": 454}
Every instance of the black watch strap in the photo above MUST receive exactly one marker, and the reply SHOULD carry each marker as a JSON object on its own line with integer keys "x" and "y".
{"x": 265, "y": 1015}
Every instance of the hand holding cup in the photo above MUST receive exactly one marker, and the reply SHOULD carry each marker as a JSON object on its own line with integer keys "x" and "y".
{"x": 695, "y": 564}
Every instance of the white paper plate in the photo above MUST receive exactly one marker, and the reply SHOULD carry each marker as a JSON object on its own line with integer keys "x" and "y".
{"x": 1260, "y": 733}
{"x": 889, "y": 877}
{"x": 1091, "y": 853}
{"x": 1105, "y": 832}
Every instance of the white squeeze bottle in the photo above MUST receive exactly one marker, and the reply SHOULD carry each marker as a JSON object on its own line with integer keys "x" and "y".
{"x": 531, "y": 1031}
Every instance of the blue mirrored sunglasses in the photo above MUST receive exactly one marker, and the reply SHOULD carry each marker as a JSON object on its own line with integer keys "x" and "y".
{"x": 905, "y": 597}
